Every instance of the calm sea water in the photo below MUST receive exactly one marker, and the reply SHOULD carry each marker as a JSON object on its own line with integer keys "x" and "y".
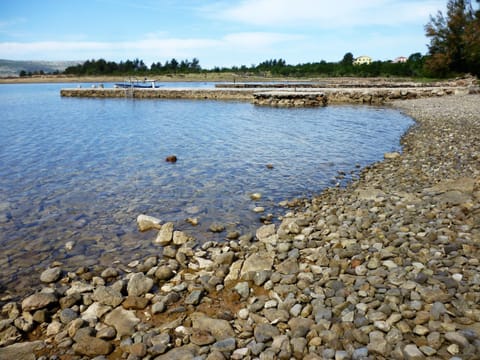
{"x": 81, "y": 170}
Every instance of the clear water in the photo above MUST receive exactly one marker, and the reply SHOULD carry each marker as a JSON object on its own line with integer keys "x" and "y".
{"x": 81, "y": 170}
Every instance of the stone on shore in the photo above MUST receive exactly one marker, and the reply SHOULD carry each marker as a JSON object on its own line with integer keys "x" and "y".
{"x": 51, "y": 275}
{"x": 139, "y": 284}
{"x": 257, "y": 262}
{"x": 24, "y": 350}
{"x": 165, "y": 235}
{"x": 219, "y": 328}
{"x": 392, "y": 155}
{"x": 107, "y": 296}
{"x": 38, "y": 301}
{"x": 124, "y": 321}
{"x": 91, "y": 346}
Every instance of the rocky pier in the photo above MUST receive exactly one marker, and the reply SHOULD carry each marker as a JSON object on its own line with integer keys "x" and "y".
{"x": 159, "y": 93}
{"x": 385, "y": 268}
{"x": 289, "y": 95}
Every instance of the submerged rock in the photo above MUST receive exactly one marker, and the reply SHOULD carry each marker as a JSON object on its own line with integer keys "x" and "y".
{"x": 146, "y": 222}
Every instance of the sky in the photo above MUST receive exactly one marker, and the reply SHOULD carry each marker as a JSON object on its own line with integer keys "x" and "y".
{"x": 217, "y": 32}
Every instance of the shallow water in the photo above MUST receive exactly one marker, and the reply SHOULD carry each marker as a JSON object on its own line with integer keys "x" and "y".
{"x": 81, "y": 170}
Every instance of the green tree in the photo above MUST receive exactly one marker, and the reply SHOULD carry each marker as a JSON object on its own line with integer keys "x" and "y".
{"x": 453, "y": 40}
{"x": 347, "y": 59}
{"x": 415, "y": 64}
{"x": 472, "y": 43}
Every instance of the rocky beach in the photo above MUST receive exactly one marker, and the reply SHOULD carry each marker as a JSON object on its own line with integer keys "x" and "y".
{"x": 385, "y": 268}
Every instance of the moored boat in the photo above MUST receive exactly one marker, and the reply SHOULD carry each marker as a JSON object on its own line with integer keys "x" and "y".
{"x": 135, "y": 83}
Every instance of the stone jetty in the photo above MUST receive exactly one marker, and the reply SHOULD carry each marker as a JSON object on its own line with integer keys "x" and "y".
{"x": 292, "y": 94}
{"x": 295, "y": 97}
{"x": 385, "y": 268}
{"x": 159, "y": 93}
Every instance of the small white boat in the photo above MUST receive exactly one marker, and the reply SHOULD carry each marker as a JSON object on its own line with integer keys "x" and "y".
{"x": 135, "y": 83}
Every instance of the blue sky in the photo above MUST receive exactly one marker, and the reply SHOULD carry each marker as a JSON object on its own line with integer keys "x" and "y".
{"x": 217, "y": 32}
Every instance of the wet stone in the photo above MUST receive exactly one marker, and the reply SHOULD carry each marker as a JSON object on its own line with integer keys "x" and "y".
{"x": 51, "y": 275}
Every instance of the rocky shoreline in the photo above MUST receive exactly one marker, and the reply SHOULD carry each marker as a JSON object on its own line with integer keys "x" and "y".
{"x": 386, "y": 268}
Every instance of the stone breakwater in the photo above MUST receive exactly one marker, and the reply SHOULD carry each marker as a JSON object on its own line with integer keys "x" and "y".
{"x": 162, "y": 93}
{"x": 371, "y": 96}
{"x": 297, "y": 97}
{"x": 386, "y": 268}
{"x": 467, "y": 81}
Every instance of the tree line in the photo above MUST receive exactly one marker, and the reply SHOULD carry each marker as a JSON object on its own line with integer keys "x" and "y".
{"x": 133, "y": 67}
{"x": 273, "y": 67}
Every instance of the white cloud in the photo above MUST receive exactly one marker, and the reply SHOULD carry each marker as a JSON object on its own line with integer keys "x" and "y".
{"x": 255, "y": 40}
{"x": 149, "y": 48}
{"x": 322, "y": 14}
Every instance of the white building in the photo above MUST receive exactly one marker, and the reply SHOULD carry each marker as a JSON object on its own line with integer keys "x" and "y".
{"x": 362, "y": 60}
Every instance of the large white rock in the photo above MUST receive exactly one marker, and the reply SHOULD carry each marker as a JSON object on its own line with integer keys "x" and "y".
{"x": 146, "y": 222}
{"x": 165, "y": 235}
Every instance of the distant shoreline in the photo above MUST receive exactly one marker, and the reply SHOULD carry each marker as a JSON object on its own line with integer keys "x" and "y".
{"x": 202, "y": 77}
{"x": 208, "y": 77}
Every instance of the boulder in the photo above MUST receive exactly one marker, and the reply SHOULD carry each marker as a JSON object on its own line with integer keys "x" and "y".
{"x": 89, "y": 345}
{"x": 38, "y": 301}
{"x": 51, "y": 275}
{"x": 257, "y": 262}
{"x": 8, "y": 333}
{"x": 107, "y": 296}
{"x": 24, "y": 350}
{"x": 265, "y": 332}
{"x": 146, "y": 222}
{"x": 124, "y": 321}
{"x": 165, "y": 235}
{"x": 186, "y": 352}
{"x": 139, "y": 285}
{"x": 265, "y": 232}
{"x": 220, "y": 329}
{"x": 391, "y": 155}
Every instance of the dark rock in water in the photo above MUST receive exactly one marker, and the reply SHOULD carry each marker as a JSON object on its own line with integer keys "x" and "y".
{"x": 171, "y": 159}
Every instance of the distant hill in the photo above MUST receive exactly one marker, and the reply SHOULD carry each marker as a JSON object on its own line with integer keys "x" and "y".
{"x": 13, "y": 67}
